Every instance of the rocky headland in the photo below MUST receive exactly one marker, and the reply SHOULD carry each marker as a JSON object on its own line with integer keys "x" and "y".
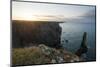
{"x": 38, "y": 42}
{"x": 27, "y": 33}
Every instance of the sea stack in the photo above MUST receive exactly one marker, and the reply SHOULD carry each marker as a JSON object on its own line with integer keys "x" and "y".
{"x": 83, "y": 48}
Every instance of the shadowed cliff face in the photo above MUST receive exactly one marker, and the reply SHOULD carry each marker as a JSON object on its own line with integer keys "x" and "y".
{"x": 27, "y": 33}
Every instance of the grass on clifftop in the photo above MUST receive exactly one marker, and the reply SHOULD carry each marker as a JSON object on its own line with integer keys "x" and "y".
{"x": 34, "y": 55}
{"x": 24, "y": 56}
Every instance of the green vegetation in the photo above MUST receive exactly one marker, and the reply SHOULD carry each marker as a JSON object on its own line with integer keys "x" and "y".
{"x": 23, "y": 56}
{"x": 41, "y": 55}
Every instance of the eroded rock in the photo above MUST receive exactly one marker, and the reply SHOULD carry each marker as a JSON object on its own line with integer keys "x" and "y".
{"x": 36, "y": 32}
{"x": 83, "y": 48}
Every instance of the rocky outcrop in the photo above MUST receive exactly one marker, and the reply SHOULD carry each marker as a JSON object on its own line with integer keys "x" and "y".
{"x": 27, "y": 33}
{"x": 42, "y": 54}
{"x": 58, "y": 55}
{"x": 83, "y": 48}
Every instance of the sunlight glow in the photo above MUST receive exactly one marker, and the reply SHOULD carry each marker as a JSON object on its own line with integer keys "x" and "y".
{"x": 42, "y": 11}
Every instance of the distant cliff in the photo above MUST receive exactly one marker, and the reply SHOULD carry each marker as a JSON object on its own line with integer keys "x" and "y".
{"x": 27, "y": 33}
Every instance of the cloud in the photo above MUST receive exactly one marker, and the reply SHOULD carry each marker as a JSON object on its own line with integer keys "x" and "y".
{"x": 90, "y": 13}
{"x": 50, "y": 17}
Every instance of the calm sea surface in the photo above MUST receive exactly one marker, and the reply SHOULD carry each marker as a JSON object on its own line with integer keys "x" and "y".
{"x": 72, "y": 36}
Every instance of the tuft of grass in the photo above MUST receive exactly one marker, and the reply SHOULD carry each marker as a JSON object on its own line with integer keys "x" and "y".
{"x": 24, "y": 56}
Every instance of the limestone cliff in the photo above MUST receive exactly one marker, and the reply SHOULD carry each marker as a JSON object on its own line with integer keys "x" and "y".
{"x": 27, "y": 33}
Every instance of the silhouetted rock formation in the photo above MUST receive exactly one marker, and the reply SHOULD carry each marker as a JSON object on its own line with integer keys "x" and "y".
{"x": 36, "y": 32}
{"x": 83, "y": 48}
{"x": 66, "y": 41}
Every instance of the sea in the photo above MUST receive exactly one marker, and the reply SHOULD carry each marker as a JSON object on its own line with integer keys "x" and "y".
{"x": 71, "y": 38}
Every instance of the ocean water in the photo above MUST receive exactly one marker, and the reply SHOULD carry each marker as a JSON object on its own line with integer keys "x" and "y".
{"x": 72, "y": 34}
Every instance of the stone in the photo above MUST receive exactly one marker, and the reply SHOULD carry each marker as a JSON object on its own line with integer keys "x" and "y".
{"x": 53, "y": 61}
{"x": 83, "y": 48}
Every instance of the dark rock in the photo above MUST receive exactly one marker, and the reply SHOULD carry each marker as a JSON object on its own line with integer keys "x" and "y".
{"x": 58, "y": 55}
{"x": 63, "y": 41}
{"x": 36, "y": 32}
{"x": 83, "y": 48}
{"x": 66, "y": 41}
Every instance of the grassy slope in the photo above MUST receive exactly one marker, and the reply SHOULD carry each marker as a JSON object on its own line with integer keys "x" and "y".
{"x": 34, "y": 55}
{"x": 23, "y": 56}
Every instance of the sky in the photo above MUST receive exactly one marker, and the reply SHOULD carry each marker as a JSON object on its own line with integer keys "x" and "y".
{"x": 45, "y": 11}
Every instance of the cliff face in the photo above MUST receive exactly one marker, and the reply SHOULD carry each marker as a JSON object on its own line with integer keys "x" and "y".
{"x": 27, "y": 33}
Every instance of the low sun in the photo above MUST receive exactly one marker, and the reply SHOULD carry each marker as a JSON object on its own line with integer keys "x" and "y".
{"x": 29, "y": 18}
